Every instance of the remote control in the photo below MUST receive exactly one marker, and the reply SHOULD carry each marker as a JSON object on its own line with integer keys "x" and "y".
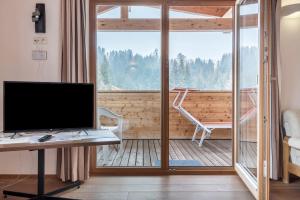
{"x": 45, "y": 138}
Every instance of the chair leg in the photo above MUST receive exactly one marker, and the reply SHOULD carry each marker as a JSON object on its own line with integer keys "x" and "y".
{"x": 202, "y": 137}
{"x": 121, "y": 146}
{"x": 195, "y": 133}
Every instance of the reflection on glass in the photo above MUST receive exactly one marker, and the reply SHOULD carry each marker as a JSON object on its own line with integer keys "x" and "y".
{"x": 248, "y": 86}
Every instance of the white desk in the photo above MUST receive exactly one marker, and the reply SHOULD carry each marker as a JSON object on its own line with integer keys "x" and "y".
{"x": 60, "y": 140}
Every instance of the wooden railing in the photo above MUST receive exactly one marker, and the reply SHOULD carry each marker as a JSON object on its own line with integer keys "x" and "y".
{"x": 141, "y": 112}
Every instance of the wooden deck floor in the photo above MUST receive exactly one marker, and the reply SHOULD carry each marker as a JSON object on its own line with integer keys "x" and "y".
{"x": 146, "y": 153}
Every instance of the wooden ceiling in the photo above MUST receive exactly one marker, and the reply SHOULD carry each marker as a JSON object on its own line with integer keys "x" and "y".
{"x": 103, "y": 9}
{"x": 203, "y": 10}
{"x": 216, "y": 23}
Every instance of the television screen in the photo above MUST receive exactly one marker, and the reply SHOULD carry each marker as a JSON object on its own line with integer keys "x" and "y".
{"x": 30, "y": 106}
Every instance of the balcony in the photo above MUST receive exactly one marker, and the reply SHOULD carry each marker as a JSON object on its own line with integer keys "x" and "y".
{"x": 141, "y": 113}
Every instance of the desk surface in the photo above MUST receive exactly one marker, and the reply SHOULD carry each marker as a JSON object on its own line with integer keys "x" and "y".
{"x": 59, "y": 140}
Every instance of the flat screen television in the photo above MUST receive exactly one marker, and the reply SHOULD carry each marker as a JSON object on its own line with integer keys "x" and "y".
{"x": 34, "y": 106}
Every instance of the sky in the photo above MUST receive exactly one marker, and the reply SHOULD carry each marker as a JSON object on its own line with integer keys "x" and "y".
{"x": 206, "y": 45}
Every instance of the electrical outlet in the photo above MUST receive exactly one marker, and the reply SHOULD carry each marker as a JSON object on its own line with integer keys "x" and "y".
{"x": 40, "y": 40}
{"x": 36, "y": 41}
{"x": 43, "y": 40}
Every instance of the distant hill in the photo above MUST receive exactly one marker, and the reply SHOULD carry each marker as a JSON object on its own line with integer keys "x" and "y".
{"x": 123, "y": 70}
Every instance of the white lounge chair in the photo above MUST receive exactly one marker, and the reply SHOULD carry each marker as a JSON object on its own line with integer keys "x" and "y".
{"x": 116, "y": 129}
{"x": 206, "y": 128}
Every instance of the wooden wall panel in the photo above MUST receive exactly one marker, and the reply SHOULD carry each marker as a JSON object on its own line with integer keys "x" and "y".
{"x": 141, "y": 112}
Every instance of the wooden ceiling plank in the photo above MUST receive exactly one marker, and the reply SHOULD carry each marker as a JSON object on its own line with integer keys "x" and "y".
{"x": 206, "y": 10}
{"x": 104, "y": 9}
{"x": 217, "y": 24}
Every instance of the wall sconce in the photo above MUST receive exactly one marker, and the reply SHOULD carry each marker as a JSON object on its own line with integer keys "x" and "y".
{"x": 290, "y": 9}
{"x": 39, "y": 18}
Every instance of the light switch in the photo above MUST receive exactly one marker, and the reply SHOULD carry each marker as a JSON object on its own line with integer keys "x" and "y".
{"x": 39, "y": 55}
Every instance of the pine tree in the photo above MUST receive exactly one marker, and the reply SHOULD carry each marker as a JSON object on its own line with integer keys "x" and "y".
{"x": 105, "y": 71}
{"x": 181, "y": 70}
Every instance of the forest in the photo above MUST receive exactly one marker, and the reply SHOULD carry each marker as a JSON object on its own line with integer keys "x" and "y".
{"x": 124, "y": 70}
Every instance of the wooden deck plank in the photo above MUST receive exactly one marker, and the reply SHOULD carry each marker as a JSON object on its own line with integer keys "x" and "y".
{"x": 207, "y": 153}
{"x": 99, "y": 155}
{"x": 153, "y": 155}
{"x": 133, "y": 153}
{"x": 220, "y": 152}
{"x": 120, "y": 154}
{"x": 112, "y": 157}
{"x": 172, "y": 153}
{"x": 226, "y": 144}
{"x": 125, "y": 158}
{"x": 140, "y": 152}
{"x": 200, "y": 153}
{"x": 194, "y": 155}
{"x": 157, "y": 149}
{"x": 147, "y": 160}
{"x": 177, "y": 150}
{"x": 183, "y": 150}
{"x": 170, "y": 158}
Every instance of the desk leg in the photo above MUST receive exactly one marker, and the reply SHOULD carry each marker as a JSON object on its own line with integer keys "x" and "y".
{"x": 41, "y": 172}
{"x": 41, "y": 184}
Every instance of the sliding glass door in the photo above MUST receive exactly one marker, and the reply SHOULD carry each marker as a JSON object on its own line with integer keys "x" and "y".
{"x": 200, "y": 86}
{"x": 164, "y": 73}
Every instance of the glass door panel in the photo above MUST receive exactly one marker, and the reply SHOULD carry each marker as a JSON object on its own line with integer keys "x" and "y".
{"x": 248, "y": 85}
{"x": 200, "y": 84}
{"x": 128, "y": 84}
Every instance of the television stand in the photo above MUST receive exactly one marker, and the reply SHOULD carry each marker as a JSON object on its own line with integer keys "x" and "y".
{"x": 41, "y": 194}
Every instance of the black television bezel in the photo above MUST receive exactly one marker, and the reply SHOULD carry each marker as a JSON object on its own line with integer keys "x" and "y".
{"x": 45, "y": 130}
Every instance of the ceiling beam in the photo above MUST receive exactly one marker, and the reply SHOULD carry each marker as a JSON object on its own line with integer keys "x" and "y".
{"x": 124, "y": 12}
{"x": 204, "y": 10}
{"x": 218, "y": 24}
{"x": 103, "y": 9}
{"x": 213, "y": 10}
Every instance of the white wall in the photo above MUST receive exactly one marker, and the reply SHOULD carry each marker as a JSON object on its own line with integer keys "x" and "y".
{"x": 290, "y": 62}
{"x": 16, "y": 45}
